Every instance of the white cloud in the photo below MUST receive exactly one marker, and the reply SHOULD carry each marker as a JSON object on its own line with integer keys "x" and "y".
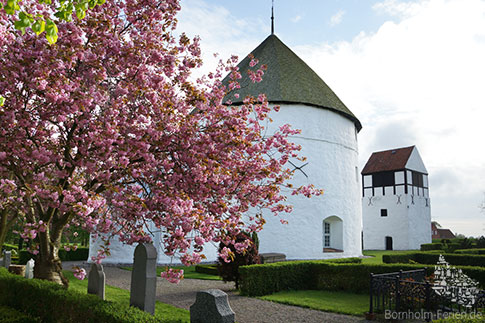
{"x": 420, "y": 81}
{"x": 296, "y": 19}
{"x": 337, "y": 18}
{"x": 397, "y": 8}
{"x": 220, "y": 31}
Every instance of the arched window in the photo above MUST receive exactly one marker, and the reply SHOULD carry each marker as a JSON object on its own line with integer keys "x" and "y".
{"x": 333, "y": 234}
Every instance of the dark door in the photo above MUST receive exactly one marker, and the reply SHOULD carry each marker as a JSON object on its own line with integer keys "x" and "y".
{"x": 388, "y": 243}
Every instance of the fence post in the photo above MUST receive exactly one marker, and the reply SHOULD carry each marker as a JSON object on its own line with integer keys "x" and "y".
{"x": 428, "y": 301}
{"x": 398, "y": 291}
{"x": 371, "y": 308}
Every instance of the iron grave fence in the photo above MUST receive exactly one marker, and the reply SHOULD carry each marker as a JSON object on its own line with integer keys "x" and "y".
{"x": 410, "y": 291}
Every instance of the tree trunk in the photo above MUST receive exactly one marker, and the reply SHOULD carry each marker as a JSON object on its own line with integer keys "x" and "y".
{"x": 48, "y": 266}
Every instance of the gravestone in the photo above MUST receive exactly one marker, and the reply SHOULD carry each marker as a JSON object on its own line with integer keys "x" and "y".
{"x": 7, "y": 258}
{"x": 144, "y": 278}
{"x": 29, "y": 269}
{"x": 211, "y": 306}
{"x": 96, "y": 280}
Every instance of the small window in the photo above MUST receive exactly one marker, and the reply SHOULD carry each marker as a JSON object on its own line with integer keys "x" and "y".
{"x": 383, "y": 212}
{"x": 326, "y": 234}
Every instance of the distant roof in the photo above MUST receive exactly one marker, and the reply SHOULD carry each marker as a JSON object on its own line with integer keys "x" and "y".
{"x": 288, "y": 79}
{"x": 445, "y": 234}
{"x": 388, "y": 160}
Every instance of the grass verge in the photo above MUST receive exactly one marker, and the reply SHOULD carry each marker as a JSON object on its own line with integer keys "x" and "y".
{"x": 189, "y": 272}
{"x": 163, "y": 312}
{"x": 336, "y": 302}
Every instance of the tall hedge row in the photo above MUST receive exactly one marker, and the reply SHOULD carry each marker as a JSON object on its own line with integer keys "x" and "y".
{"x": 432, "y": 259}
{"x": 258, "y": 280}
{"x": 52, "y": 303}
{"x": 73, "y": 255}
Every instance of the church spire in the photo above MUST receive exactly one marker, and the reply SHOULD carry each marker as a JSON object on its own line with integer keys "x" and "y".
{"x": 272, "y": 17}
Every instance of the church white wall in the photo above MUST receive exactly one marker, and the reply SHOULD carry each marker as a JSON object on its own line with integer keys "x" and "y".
{"x": 408, "y": 224}
{"x": 329, "y": 142}
{"x": 419, "y": 222}
{"x": 415, "y": 162}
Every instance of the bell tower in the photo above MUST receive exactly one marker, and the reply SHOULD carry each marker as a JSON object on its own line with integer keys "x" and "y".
{"x": 395, "y": 200}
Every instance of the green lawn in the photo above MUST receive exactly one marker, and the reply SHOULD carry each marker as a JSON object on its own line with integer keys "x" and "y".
{"x": 377, "y": 255}
{"x": 189, "y": 272}
{"x": 337, "y": 302}
{"x": 162, "y": 311}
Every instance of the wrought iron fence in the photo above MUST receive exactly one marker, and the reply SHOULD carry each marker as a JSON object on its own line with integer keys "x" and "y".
{"x": 411, "y": 291}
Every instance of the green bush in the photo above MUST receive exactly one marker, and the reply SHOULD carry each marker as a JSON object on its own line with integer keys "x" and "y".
{"x": 11, "y": 315}
{"x": 354, "y": 260}
{"x": 431, "y": 246}
{"x": 52, "y": 303}
{"x": 207, "y": 269}
{"x": 258, "y": 280}
{"x": 73, "y": 255}
{"x": 432, "y": 259}
{"x": 471, "y": 251}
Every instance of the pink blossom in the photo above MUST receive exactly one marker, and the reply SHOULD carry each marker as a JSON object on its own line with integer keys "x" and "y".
{"x": 173, "y": 275}
{"x": 79, "y": 273}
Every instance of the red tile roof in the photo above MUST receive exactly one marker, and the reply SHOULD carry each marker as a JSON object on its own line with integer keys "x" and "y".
{"x": 393, "y": 159}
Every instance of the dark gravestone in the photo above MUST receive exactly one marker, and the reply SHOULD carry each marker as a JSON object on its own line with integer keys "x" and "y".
{"x": 211, "y": 306}
{"x": 96, "y": 280}
{"x": 144, "y": 278}
{"x": 7, "y": 258}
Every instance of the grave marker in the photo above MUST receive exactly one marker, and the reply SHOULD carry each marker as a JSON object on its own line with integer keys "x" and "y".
{"x": 211, "y": 306}
{"x": 144, "y": 278}
{"x": 96, "y": 280}
{"x": 29, "y": 269}
{"x": 7, "y": 259}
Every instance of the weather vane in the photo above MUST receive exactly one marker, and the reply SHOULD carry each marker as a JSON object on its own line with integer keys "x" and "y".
{"x": 272, "y": 17}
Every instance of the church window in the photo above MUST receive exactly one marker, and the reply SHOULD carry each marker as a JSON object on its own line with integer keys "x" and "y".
{"x": 417, "y": 179}
{"x": 383, "y": 212}
{"x": 383, "y": 179}
{"x": 327, "y": 234}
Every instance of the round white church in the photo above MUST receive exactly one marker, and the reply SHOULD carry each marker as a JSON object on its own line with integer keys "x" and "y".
{"x": 327, "y": 226}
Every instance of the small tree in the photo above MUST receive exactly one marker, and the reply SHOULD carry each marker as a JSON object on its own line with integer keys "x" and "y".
{"x": 244, "y": 251}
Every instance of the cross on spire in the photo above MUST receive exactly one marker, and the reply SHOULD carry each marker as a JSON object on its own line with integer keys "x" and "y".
{"x": 272, "y": 17}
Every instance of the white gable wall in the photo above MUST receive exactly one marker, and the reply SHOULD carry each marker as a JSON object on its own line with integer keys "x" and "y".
{"x": 415, "y": 162}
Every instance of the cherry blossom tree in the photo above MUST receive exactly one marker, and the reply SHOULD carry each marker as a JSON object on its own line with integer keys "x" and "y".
{"x": 104, "y": 130}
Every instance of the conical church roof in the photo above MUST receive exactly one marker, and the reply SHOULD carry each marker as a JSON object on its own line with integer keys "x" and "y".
{"x": 288, "y": 79}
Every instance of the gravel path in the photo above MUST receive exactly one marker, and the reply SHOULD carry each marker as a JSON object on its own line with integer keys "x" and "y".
{"x": 247, "y": 309}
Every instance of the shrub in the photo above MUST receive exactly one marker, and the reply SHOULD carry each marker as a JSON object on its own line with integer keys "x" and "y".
{"x": 207, "y": 269}
{"x": 11, "y": 315}
{"x": 52, "y": 303}
{"x": 258, "y": 280}
{"x": 73, "y": 255}
{"x": 432, "y": 259}
{"x": 229, "y": 271}
{"x": 465, "y": 244}
{"x": 471, "y": 251}
{"x": 431, "y": 246}
{"x": 481, "y": 242}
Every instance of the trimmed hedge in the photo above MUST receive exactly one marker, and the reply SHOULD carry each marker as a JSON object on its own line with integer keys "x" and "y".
{"x": 259, "y": 280}
{"x": 52, "y": 303}
{"x": 432, "y": 259}
{"x": 207, "y": 269}
{"x": 471, "y": 251}
{"x": 431, "y": 246}
{"x": 81, "y": 253}
{"x": 11, "y": 315}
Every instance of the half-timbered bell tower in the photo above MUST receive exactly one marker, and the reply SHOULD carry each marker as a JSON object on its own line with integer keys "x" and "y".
{"x": 395, "y": 204}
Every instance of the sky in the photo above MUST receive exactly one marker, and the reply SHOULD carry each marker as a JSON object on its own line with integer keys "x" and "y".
{"x": 413, "y": 72}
